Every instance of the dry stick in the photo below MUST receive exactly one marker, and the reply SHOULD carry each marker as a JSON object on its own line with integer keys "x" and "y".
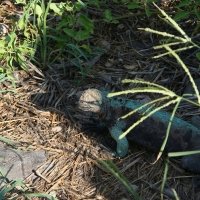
{"x": 130, "y": 164}
{"x": 75, "y": 166}
{"x": 55, "y": 184}
{"x": 49, "y": 161}
{"x": 58, "y": 181}
{"x": 20, "y": 119}
{"x": 37, "y": 173}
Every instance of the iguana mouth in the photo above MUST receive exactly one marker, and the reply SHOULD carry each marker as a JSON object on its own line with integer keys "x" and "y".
{"x": 90, "y": 100}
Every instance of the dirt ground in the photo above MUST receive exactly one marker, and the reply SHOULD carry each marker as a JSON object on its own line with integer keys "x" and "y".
{"x": 43, "y": 114}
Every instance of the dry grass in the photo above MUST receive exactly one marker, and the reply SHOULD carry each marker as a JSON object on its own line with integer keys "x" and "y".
{"x": 41, "y": 117}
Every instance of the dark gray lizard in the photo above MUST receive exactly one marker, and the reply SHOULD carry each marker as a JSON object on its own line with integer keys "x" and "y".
{"x": 150, "y": 133}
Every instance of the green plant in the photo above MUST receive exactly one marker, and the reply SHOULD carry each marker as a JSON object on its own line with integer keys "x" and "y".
{"x": 42, "y": 28}
{"x": 186, "y": 8}
{"x": 10, "y": 142}
{"x": 109, "y": 18}
{"x": 16, "y": 47}
{"x": 76, "y": 25}
{"x": 169, "y": 96}
{"x": 112, "y": 168}
{"x": 16, "y": 188}
{"x": 12, "y": 52}
{"x": 140, "y": 5}
{"x": 66, "y": 42}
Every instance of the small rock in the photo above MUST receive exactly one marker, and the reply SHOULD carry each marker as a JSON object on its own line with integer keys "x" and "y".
{"x": 120, "y": 26}
{"x": 3, "y": 28}
{"x": 56, "y": 129}
{"x": 108, "y": 64}
{"x": 135, "y": 187}
{"x": 23, "y": 162}
{"x": 104, "y": 44}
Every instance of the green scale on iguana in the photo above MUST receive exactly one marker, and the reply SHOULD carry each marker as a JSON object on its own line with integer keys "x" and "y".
{"x": 150, "y": 133}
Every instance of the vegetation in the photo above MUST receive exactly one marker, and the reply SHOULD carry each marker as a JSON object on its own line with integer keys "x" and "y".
{"x": 15, "y": 189}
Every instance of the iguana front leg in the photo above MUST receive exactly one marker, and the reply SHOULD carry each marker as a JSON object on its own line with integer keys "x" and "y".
{"x": 122, "y": 144}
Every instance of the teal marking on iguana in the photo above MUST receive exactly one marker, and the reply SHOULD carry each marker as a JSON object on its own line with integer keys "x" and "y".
{"x": 150, "y": 133}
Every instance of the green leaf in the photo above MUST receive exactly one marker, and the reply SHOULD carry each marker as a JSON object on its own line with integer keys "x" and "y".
{"x": 11, "y": 40}
{"x": 21, "y": 61}
{"x": 68, "y": 6}
{"x": 26, "y": 50}
{"x": 21, "y": 23}
{"x": 3, "y": 77}
{"x": 197, "y": 12}
{"x": 20, "y": 2}
{"x": 84, "y": 6}
{"x": 112, "y": 168}
{"x": 9, "y": 60}
{"x": 108, "y": 15}
{"x": 196, "y": 30}
{"x": 115, "y": 21}
{"x": 10, "y": 77}
{"x": 2, "y": 70}
{"x": 58, "y": 8}
{"x": 70, "y": 32}
{"x": 82, "y": 35}
{"x": 87, "y": 48}
{"x": 148, "y": 12}
{"x": 78, "y": 6}
{"x": 71, "y": 20}
{"x": 2, "y": 43}
{"x": 63, "y": 23}
{"x": 86, "y": 23}
{"x": 181, "y": 15}
{"x": 2, "y": 50}
{"x": 151, "y": 1}
{"x": 125, "y": 1}
{"x": 26, "y": 33}
{"x": 13, "y": 143}
{"x": 133, "y": 5}
{"x": 106, "y": 20}
{"x": 183, "y": 3}
{"x": 38, "y": 10}
{"x": 2, "y": 56}
{"x": 198, "y": 55}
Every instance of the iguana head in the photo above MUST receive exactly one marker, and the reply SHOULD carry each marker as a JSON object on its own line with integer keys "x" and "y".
{"x": 91, "y": 100}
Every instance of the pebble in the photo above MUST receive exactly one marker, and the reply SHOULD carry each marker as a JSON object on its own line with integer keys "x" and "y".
{"x": 3, "y": 28}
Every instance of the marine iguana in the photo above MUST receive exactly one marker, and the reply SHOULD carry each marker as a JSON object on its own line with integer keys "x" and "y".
{"x": 150, "y": 133}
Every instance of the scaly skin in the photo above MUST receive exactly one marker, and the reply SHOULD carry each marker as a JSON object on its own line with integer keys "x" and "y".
{"x": 150, "y": 133}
